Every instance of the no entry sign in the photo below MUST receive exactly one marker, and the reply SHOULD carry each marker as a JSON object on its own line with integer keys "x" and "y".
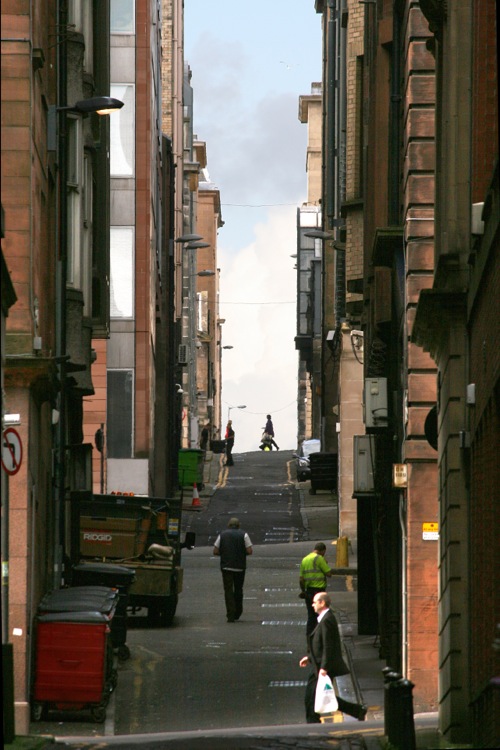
{"x": 12, "y": 451}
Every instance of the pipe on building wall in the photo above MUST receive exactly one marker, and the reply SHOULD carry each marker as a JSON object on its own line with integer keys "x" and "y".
{"x": 394, "y": 122}
{"x": 61, "y": 274}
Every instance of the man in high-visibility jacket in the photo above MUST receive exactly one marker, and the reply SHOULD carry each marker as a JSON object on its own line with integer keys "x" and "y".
{"x": 314, "y": 571}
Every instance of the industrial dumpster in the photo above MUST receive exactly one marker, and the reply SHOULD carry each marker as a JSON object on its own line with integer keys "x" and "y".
{"x": 324, "y": 468}
{"x": 218, "y": 446}
{"x": 190, "y": 467}
{"x": 116, "y": 576}
{"x": 72, "y": 667}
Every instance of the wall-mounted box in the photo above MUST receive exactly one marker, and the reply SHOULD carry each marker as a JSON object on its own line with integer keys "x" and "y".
{"x": 375, "y": 403}
{"x": 364, "y": 465}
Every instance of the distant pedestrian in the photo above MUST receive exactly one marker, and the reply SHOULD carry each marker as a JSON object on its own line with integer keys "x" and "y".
{"x": 314, "y": 571}
{"x": 325, "y": 657}
{"x": 205, "y": 434}
{"x": 229, "y": 444}
{"x": 268, "y": 438}
{"x": 233, "y": 546}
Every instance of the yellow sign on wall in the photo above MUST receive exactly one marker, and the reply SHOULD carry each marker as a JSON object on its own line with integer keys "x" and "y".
{"x": 430, "y": 531}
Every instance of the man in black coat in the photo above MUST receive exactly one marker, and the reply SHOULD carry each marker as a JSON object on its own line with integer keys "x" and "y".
{"x": 325, "y": 657}
{"x": 232, "y": 546}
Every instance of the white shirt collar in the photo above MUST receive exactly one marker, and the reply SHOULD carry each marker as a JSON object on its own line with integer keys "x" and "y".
{"x": 322, "y": 614}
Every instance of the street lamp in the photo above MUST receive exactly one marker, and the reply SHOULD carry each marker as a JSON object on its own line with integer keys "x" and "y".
{"x": 319, "y": 234}
{"x": 196, "y": 245}
{"x": 241, "y": 406}
{"x": 205, "y": 272}
{"x": 185, "y": 238}
{"x": 228, "y": 347}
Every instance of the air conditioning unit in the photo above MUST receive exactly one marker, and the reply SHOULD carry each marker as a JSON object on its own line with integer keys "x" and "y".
{"x": 182, "y": 356}
{"x": 364, "y": 465}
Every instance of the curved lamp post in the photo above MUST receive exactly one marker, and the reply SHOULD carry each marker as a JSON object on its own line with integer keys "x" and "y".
{"x": 241, "y": 406}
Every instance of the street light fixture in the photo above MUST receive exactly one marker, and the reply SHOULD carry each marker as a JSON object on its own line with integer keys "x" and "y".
{"x": 196, "y": 245}
{"x": 319, "y": 234}
{"x": 205, "y": 272}
{"x": 228, "y": 347}
{"x": 241, "y": 406}
{"x": 185, "y": 238}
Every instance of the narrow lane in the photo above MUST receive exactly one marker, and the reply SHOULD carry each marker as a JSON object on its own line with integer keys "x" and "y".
{"x": 205, "y": 673}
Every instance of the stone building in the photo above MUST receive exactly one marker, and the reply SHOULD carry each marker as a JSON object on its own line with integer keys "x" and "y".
{"x": 55, "y": 192}
{"x": 457, "y": 322}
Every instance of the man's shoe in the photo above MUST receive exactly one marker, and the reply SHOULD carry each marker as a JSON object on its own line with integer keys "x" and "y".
{"x": 362, "y": 713}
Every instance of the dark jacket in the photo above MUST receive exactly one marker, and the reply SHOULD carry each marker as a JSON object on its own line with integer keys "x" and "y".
{"x": 233, "y": 553}
{"x": 325, "y": 649}
{"x": 269, "y": 428}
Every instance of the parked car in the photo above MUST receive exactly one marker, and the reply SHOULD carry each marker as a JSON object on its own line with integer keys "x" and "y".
{"x": 302, "y": 458}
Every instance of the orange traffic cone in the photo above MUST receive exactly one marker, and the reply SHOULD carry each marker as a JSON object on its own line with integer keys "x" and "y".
{"x": 196, "y": 498}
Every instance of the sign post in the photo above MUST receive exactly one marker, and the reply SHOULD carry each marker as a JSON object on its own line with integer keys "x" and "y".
{"x": 12, "y": 451}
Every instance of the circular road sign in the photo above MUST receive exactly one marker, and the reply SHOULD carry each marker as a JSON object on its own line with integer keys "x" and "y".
{"x": 12, "y": 451}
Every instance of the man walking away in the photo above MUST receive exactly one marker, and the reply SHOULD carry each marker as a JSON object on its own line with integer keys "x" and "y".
{"x": 269, "y": 430}
{"x": 233, "y": 546}
{"x": 313, "y": 573}
{"x": 325, "y": 657}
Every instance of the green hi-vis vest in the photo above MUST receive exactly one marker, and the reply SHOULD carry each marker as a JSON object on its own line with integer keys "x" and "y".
{"x": 313, "y": 569}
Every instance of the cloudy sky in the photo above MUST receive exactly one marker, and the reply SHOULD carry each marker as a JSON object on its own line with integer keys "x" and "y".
{"x": 250, "y": 62}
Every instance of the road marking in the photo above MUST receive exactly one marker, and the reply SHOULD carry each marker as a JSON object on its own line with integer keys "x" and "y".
{"x": 287, "y": 683}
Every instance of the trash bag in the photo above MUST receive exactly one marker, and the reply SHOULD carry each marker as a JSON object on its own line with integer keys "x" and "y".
{"x": 325, "y": 701}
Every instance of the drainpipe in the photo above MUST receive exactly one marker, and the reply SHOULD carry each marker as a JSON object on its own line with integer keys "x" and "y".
{"x": 394, "y": 156}
{"x": 61, "y": 274}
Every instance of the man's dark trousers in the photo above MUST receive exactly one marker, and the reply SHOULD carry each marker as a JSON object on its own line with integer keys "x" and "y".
{"x": 233, "y": 581}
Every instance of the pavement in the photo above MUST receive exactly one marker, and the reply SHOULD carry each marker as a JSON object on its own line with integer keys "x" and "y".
{"x": 365, "y": 683}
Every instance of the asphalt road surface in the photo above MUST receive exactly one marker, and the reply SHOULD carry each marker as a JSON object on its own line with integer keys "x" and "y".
{"x": 204, "y": 674}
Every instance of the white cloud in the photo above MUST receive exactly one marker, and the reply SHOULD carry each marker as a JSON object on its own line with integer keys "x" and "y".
{"x": 261, "y": 370}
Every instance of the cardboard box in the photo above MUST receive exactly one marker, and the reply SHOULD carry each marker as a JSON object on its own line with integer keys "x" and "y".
{"x": 109, "y": 537}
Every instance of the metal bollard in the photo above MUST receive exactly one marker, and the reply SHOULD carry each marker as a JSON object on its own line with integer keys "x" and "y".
{"x": 390, "y": 677}
{"x": 342, "y": 559}
{"x": 401, "y": 732}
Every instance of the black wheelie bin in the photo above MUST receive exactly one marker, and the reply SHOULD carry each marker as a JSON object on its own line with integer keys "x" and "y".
{"x": 116, "y": 576}
{"x": 324, "y": 468}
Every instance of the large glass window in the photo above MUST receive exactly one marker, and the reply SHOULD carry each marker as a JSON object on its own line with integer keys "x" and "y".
{"x": 120, "y": 403}
{"x": 74, "y": 201}
{"x": 122, "y": 16}
{"x": 121, "y": 248}
{"x": 122, "y": 132}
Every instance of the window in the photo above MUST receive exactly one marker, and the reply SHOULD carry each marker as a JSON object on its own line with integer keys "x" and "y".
{"x": 74, "y": 200}
{"x": 80, "y": 20}
{"x": 87, "y": 233}
{"x": 122, "y": 17}
{"x": 120, "y": 393}
{"x": 122, "y": 132}
{"x": 121, "y": 247}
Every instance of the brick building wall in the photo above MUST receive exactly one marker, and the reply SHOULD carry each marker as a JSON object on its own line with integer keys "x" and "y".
{"x": 421, "y": 498}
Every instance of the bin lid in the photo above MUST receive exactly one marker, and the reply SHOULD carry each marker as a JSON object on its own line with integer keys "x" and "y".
{"x": 78, "y": 600}
{"x": 107, "y": 570}
{"x": 74, "y": 617}
{"x": 199, "y": 451}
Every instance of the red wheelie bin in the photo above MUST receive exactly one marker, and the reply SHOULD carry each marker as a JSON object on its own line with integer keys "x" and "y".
{"x": 74, "y": 654}
{"x": 72, "y": 661}
{"x": 116, "y": 576}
